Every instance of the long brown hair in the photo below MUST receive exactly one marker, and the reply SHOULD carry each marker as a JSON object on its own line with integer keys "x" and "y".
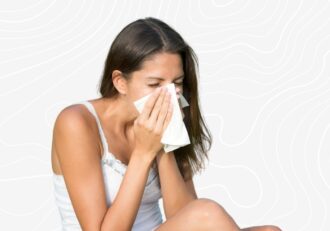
{"x": 139, "y": 41}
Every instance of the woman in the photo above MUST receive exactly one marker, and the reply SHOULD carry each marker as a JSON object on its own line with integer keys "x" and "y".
{"x": 110, "y": 168}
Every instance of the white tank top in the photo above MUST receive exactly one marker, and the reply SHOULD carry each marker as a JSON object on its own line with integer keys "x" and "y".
{"x": 149, "y": 216}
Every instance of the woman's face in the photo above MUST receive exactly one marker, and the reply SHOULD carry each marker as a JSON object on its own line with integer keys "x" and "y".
{"x": 162, "y": 69}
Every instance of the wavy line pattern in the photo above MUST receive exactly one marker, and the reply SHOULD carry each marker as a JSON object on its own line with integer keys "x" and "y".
{"x": 265, "y": 94}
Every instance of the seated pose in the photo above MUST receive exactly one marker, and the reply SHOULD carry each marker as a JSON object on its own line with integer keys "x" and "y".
{"x": 110, "y": 168}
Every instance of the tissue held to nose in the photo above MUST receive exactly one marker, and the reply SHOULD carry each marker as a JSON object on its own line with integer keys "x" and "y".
{"x": 175, "y": 134}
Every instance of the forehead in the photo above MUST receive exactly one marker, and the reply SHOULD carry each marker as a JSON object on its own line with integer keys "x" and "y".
{"x": 163, "y": 64}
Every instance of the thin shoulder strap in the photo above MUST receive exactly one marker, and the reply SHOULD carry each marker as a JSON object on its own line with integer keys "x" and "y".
{"x": 92, "y": 110}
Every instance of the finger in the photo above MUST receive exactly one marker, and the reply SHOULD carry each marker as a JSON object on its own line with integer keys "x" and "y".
{"x": 162, "y": 114}
{"x": 150, "y": 104}
{"x": 157, "y": 108}
{"x": 168, "y": 115}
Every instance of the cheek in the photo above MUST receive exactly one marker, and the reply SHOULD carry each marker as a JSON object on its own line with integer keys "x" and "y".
{"x": 142, "y": 92}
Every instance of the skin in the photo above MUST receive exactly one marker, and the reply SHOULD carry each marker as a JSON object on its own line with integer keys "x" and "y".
{"x": 183, "y": 209}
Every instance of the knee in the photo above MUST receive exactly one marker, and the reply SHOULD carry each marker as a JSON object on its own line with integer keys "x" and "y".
{"x": 271, "y": 228}
{"x": 208, "y": 211}
{"x": 209, "y": 208}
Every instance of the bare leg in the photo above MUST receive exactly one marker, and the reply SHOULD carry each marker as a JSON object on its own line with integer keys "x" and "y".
{"x": 262, "y": 228}
{"x": 200, "y": 214}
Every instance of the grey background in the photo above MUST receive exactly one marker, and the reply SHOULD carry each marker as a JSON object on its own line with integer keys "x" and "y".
{"x": 265, "y": 95}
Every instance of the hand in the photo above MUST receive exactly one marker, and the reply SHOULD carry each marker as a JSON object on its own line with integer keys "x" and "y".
{"x": 151, "y": 123}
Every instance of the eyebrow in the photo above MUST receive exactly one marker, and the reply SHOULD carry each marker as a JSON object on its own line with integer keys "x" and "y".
{"x": 156, "y": 77}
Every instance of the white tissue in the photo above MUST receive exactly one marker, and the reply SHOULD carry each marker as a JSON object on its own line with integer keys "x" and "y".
{"x": 175, "y": 134}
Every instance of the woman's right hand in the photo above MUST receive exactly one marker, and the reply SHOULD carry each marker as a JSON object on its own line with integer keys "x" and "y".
{"x": 152, "y": 122}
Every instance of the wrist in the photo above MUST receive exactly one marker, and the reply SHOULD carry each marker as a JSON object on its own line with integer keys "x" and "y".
{"x": 143, "y": 157}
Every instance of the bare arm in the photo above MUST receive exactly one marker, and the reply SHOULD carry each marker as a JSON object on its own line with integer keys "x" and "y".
{"x": 79, "y": 158}
{"x": 176, "y": 192}
{"x": 128, "y": 199}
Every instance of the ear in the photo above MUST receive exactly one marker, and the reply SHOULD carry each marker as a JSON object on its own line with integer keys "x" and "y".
{"x": 119, "y": 81}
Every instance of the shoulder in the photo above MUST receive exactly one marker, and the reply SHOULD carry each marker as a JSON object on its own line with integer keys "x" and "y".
{"x": 74, "y": 131}
{"x": 73, "y": 116}
{"x": 75, "y": 121}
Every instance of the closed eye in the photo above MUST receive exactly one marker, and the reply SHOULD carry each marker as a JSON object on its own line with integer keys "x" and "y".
{"x": 156, "y": 85}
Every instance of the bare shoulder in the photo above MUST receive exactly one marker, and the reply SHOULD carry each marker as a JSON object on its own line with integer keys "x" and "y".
{"x": 73, "y": 120}
{"x": 76, "y": 124}
{"x": 72, "y": 115}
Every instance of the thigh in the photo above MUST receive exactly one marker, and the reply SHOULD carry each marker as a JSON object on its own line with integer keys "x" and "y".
{"x": 199, "y": 214}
